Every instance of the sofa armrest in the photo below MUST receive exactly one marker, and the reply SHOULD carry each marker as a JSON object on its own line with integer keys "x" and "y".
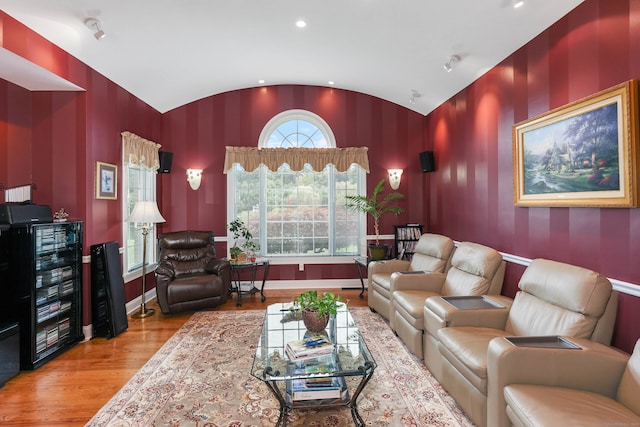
{"x": 217, "y": 266}
{"x": 388, "y": 266}
{"x": 414, "y": 280}
{"x": 165, "y": 271}
{"x": 439, "y": 313}
{"x": 594, "y": 367}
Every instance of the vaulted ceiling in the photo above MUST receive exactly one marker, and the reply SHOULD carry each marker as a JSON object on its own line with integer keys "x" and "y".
{"x": 169, "y": 52}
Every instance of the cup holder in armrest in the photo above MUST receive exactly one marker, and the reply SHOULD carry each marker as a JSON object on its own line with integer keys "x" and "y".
{"x": 543, "y": 342}
{"x": 472, "y": 302}
{"x": 415, "y": 272}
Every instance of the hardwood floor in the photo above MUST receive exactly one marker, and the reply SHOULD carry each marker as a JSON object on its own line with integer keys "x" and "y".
{"x": 70, "y": 389}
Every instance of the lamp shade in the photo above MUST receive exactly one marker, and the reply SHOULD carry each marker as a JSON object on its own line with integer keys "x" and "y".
{"x": 146, "y": 212}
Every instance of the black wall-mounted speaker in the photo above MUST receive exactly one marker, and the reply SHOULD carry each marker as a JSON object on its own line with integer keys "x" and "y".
{"x": 166, "y": 158}
{"x": 108, "y": 307}
{"x": 426, "y": 161}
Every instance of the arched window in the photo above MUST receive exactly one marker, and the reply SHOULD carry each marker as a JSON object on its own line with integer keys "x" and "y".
{"x": 298, "y": 213}
{"x": 297, "y": 129}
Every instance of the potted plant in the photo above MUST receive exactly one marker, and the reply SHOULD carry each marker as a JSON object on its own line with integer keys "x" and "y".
{"x": 376, "y": 206}
{"x": 316, "y": 308}
{"x": 239, "y": 230}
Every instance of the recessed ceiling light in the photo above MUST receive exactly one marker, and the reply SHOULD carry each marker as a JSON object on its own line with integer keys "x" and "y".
{"x": 518, "y": 3}
{"x": 300, "y": 23}
{"x": 261, "y": 81}
{"x": 331, "y": 82}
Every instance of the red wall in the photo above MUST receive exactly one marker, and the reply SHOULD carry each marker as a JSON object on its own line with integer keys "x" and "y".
{"x": 197, "y": 134}
{"x": 470, "y": 196}
{"x": 53, "y": 139}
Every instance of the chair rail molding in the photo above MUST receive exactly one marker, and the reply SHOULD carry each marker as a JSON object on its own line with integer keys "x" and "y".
{"x": 618, "y": 285}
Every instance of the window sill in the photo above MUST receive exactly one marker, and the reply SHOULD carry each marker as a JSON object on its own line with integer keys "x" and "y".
{"x": 347, "y": 259}
{"x": 130, "y": 276}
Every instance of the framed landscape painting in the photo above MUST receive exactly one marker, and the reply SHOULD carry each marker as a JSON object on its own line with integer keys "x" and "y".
{"x": 581, "y": 154}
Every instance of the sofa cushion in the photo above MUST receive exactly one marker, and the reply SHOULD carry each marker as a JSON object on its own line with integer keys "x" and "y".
{"x": 466, "y": 349}
{"x": 531, "y": 315}
{"x": 410, "y": 305}
{"x": 432, "y": 253}
{"x": 564, "y": 285}
{"x": 534, "y": 405}
{"x": 194, "y": 287}
{"x": 472, "y": 268}
{"x": 382, "y": 282}
{"x": 460, "y": 282}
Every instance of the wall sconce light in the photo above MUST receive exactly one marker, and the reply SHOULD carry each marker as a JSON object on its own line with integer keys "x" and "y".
{"x": 453, "y": 60}
{"x": 394, "y": 178}
{"x": 194, "y": 177}
{"x": 94, "y": 25}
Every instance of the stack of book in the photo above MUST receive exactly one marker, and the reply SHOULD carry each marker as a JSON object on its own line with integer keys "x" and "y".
{"x": 314, "y": 346}
{"x": 319, "y": 387}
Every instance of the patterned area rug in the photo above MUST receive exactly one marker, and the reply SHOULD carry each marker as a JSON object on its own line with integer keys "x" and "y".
{"x": 200, "y": 377}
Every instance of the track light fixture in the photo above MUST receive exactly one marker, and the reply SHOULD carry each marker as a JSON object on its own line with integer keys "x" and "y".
{"x": 414, "y": 97}
{"x": 453, "y": 60}
{"x": 94, "y": 25}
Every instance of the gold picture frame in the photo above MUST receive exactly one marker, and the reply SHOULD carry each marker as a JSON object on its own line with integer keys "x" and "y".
{"x": 106, "y": 181}
{"x": 584, "y": 154}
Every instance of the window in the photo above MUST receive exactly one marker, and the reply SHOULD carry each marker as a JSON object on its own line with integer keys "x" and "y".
{"x": 298, "y": 213}
{"x": 138, "y": 183}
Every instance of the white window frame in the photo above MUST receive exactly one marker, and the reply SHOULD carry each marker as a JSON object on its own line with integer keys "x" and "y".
{"x": 147, "y": 191}
{"x": 268, "y": 129}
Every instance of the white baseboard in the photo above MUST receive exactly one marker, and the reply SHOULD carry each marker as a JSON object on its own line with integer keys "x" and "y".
{"x": 87, "y": 331}
{"x": 312, "y": 284}
{"x": 135, "y": 303}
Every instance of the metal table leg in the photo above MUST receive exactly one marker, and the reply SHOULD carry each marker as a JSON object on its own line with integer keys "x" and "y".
{"x": 264, "y": 279}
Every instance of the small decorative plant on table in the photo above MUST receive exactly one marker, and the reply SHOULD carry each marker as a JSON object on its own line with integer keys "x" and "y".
{"x": 60, "y": 216}
{"x": 239, "y": 230}
{"x": 316, "y": 309}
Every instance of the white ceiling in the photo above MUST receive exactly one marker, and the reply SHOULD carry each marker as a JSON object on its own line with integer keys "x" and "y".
{"x": 172, "y": 52}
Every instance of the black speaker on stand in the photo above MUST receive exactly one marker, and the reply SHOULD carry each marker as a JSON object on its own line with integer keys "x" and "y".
{"x": 427, "y": 162}
{"x": 108, "y": 307}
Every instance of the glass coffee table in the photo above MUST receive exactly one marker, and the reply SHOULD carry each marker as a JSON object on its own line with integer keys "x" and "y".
{"x": 331, "y": 380}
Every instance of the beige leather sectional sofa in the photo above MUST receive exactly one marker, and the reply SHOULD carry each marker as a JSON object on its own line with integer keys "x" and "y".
{"x": 454, "y": 334}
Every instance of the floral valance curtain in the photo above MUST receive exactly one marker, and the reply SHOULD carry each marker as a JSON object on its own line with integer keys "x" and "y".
{"x": 140, "y": 151}
{"x": 251, "y": 157}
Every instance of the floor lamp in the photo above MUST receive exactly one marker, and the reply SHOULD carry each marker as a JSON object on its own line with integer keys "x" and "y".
{"x": 146, "y": 214}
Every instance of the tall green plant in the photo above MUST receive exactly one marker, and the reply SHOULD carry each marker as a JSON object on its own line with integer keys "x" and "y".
{"x": 376, "y": 206}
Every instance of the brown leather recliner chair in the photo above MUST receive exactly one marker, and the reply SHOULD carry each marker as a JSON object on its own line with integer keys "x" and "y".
{"x": 189, "y": 276}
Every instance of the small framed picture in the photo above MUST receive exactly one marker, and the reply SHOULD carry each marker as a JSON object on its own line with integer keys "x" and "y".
{"x": 106, "y": 181}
